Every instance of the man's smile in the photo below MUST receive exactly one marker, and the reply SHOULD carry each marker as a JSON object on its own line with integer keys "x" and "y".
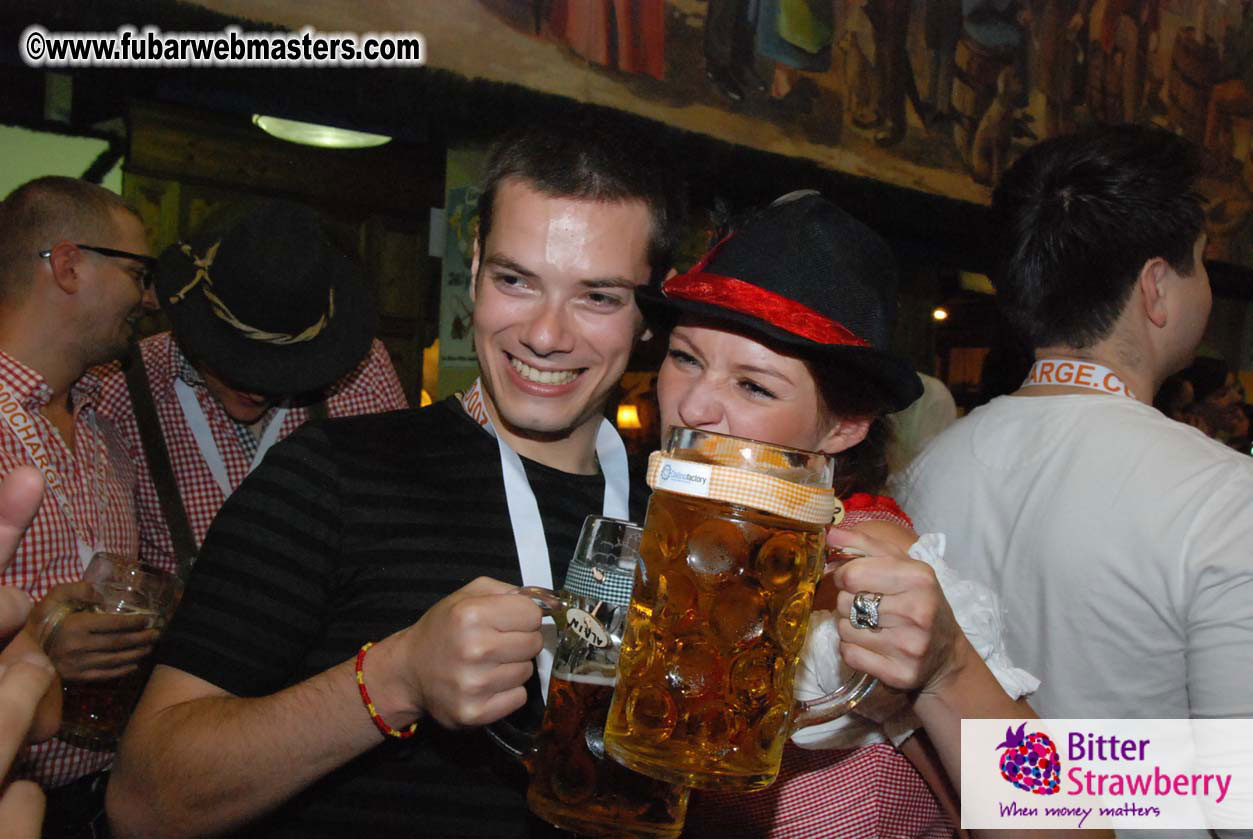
{"x": 543, "y": 377}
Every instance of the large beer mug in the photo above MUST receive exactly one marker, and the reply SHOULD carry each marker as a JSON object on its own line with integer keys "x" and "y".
{"x": 732, "y": 551}
{"x": 573, "y": 784}
{"x": 93, "y": 714}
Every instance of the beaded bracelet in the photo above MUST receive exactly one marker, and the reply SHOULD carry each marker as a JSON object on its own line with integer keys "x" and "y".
{"x": 382, "y": 726}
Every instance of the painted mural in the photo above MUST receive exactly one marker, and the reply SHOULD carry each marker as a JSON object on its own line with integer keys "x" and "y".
{"x": 938, "y": 95}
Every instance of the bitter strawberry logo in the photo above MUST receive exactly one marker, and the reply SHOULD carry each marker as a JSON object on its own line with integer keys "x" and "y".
{"x": 1030, "y": 761}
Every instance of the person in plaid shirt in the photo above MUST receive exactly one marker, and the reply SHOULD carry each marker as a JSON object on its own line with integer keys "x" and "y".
{"x": 269, "y": 321}
{"x": 75, "y": 274}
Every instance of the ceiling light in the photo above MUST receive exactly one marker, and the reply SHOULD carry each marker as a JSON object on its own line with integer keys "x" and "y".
{"x": 312, "y": 134}
{"x": 939, "y": 313}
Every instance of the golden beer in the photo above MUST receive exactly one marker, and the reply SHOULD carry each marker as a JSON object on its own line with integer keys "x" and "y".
{"x": 93, "y": 714}
{"x": 717, "y": 623}
{"x": 730, "y": 557}
{"x": 577, "y": 788}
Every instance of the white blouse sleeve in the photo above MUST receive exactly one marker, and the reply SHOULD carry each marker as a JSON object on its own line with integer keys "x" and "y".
{"x": 885, "y": 714}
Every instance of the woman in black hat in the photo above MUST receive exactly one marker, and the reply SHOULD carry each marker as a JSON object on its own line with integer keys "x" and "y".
{"x": 780, "y": 334}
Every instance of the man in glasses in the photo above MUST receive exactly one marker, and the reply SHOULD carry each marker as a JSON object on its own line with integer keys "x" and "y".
{"x": 270, "y": 325}
{"x": 75, "y": 275}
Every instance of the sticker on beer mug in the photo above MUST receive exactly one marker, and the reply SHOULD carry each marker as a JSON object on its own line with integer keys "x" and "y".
{"x": 684, "y": 477}
{"x": 587, "y": 627}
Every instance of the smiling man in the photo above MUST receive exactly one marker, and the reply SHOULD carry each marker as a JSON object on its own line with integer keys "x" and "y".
{"x": 75, "y": 274}
{"x": 554, "y": 318}
{"x": 271, "y": 324}
{"x": 271, "y": 712}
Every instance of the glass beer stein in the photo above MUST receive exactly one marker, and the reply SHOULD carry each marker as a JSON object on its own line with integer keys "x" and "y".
{"x": 573, "y": 785}
{"x": 732, "y": 551}
{"x": 93, "y": 714}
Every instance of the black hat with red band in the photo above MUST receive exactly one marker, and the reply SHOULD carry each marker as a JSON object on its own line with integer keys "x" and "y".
{"x": 806, "y": 275}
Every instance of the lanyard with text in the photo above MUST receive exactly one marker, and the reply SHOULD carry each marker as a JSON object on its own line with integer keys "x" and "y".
{"x": 524, "y": 516}
{"x": 23, "y": 425}
{"x": 199, "y": 425}
{"x": 1075, "y": 373}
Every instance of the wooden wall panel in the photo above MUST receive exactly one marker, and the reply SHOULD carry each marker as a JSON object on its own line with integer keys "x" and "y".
{"x": 183, "y": 163}
{"x": 197, "y": 146}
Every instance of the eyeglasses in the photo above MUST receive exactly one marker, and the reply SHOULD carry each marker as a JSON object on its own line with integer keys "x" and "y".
{"x": 149, "y": 263}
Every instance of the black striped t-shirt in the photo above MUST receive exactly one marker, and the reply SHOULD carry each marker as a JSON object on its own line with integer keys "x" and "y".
{"x": 349, "y": 531}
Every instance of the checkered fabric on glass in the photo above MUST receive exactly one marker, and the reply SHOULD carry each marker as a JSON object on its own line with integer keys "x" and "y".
{"x": 609, "y": 583}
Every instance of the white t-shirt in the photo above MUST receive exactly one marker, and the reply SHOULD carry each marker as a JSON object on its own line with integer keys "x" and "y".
{"x": 918, "y": 424}
{"x": 1120, "y": 544}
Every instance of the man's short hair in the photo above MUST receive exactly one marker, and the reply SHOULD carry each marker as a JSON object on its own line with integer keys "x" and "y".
{"x": 1077, "y": 217}
{"x": 45, "y": 211}
{"x": 592, "y": 157}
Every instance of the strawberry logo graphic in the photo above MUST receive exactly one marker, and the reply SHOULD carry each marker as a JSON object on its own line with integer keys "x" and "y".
{"x": 1030, "y": 762}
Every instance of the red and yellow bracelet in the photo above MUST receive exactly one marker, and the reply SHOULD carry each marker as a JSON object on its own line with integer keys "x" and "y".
{"x": 379, "y": 723}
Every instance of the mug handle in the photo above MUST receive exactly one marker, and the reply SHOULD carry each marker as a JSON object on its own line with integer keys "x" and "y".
{"x": 514, "y": 741}
{"x": 549, "y": 601}
{"x": 835, "y": 704}
{"x": 842, "y": 700}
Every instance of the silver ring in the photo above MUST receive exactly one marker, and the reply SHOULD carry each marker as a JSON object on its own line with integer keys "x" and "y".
{"x": 865, "y": 613}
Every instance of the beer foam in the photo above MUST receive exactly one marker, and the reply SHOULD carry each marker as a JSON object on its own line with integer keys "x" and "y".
{"x": 125, "y": 609}
{"x": 588, "y": 679}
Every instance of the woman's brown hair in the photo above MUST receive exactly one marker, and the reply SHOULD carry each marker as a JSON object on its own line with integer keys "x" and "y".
{"x": 844, "y": 394}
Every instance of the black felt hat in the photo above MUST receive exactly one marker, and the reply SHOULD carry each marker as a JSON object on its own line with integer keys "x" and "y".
{"x": 807, "y": 275}
{"x": 266, "y": 300}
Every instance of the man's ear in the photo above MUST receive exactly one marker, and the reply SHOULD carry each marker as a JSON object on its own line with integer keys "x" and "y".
{"x": 1153, "y": 284}
{"x": 66, "y": 261}
{"x": 474, "y": 270}
{"x": 845, "y": 434}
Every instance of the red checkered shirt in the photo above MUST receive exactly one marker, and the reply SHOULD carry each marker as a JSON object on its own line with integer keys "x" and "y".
{"x": 371, "y": 388}
{"x": 871, "y": 792}
{"x": 98, "y": 480}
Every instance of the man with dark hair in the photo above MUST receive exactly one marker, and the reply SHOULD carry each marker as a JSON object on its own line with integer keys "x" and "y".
{"x": 569, "y": 166}
{"x": 264, "y": 713}
{"x": 1117, "y": 539}
{"x": 75, "y": 274}
{"x": 1076, "y": 224}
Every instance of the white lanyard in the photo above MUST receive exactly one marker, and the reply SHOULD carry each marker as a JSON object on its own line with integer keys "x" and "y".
{"x": 524, "y": 515}
{"x": 23, "y": 426}
{"x": 199, "y": 425}
{"x": 1076, "y": 373}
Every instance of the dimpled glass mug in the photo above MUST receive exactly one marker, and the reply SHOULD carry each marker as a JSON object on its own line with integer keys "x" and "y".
{"x": 573, "y": 785}
{"x": 93, "y": 714}
{"x": 732, "y": 551}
